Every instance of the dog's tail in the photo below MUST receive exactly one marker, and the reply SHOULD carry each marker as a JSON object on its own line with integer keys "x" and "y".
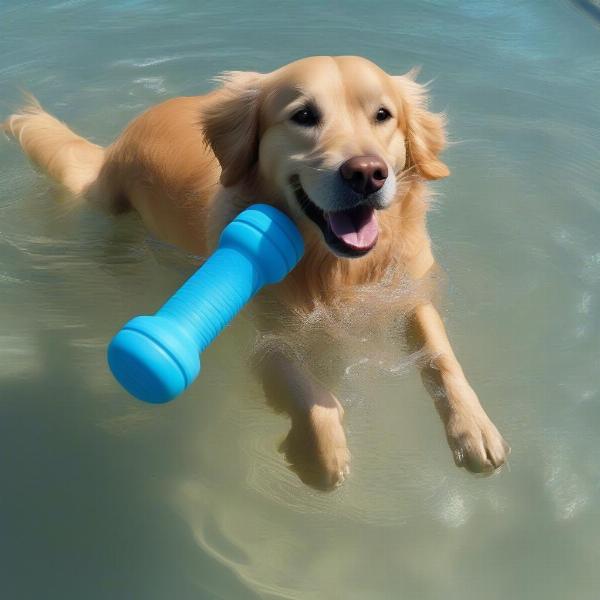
{"x": 68, "y": 158}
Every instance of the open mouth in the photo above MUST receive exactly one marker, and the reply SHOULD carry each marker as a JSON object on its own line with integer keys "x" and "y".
{"x": 352, "y": 232}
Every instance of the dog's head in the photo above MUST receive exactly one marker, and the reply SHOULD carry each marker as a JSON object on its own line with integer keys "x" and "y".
{"x": 335, "y": 138}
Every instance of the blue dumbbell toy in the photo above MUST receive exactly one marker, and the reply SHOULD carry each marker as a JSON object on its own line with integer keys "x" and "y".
{"x": 156, "y": 357}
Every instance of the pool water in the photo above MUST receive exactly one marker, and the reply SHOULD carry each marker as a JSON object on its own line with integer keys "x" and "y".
{"x": 103, "y": 497}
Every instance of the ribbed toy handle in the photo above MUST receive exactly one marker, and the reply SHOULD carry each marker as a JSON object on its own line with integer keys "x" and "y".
{"x": 156, "y": 357}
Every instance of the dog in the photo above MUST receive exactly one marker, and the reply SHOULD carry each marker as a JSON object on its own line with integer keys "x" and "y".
{"x": 343, "y": 148}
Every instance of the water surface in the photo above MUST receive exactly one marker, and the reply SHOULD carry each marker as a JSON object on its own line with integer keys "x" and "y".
{"x": 103, "y": 497}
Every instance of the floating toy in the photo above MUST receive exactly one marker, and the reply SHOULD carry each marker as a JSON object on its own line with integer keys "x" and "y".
{"x": 155, "y": 358}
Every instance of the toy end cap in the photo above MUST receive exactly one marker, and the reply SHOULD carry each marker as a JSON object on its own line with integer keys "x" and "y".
{"x": 144, "y": 368}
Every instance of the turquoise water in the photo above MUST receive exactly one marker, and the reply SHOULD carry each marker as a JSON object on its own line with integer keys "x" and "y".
{"x": 102, "y": 497}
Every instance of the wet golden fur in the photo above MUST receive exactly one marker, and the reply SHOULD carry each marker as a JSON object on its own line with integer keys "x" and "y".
{"x": 190, "y": 164}
{"x": 162, "y": 167}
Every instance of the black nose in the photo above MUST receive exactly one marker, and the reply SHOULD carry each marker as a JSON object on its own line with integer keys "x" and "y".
{"x": 364, "y": 174}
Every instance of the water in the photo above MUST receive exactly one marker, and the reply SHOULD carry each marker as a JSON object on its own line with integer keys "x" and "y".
{"x": 102, "y": 497}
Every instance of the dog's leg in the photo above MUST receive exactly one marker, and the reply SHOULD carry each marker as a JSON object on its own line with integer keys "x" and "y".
{"x": 474, "y": 440}
{"x": 315, "y": 446}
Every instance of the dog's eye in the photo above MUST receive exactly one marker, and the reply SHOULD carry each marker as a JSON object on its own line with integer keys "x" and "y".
{"x": 383, "y": 114}
{"x": 306, "y": 117}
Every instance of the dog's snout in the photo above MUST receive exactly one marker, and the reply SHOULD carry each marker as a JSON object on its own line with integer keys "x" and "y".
{"x": 364, "y": 174}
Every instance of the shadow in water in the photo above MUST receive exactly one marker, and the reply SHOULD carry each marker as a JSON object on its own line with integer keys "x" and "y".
{"x": 84, "y": 513}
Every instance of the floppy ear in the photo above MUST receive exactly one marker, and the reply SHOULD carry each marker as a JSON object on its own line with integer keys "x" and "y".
{"x": 425, "y": 131}
{"x": 230, "y": 124}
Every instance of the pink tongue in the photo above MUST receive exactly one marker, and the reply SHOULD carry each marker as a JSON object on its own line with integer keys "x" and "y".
{"x": 356, "y": 227}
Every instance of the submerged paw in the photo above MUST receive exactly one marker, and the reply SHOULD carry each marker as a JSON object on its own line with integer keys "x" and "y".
{"x": 476, "y": 444}
{"x": 316, "y": 449}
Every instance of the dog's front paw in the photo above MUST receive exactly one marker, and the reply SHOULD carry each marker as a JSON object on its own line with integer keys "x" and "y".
{"x": 475, "y": 442}
{"x": 316, "y": 449}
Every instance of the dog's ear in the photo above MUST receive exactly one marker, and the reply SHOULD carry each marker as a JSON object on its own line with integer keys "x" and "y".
{"x": 230, "y": 124}
{"x": 425, "y": 131}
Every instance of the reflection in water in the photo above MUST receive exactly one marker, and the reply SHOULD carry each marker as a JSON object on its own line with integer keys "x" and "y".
{"x": 590, "y": 7}
{"x": 106, "y": 498}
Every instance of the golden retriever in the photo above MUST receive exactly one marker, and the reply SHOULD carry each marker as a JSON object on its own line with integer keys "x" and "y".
{"x": 342, "y": 147}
